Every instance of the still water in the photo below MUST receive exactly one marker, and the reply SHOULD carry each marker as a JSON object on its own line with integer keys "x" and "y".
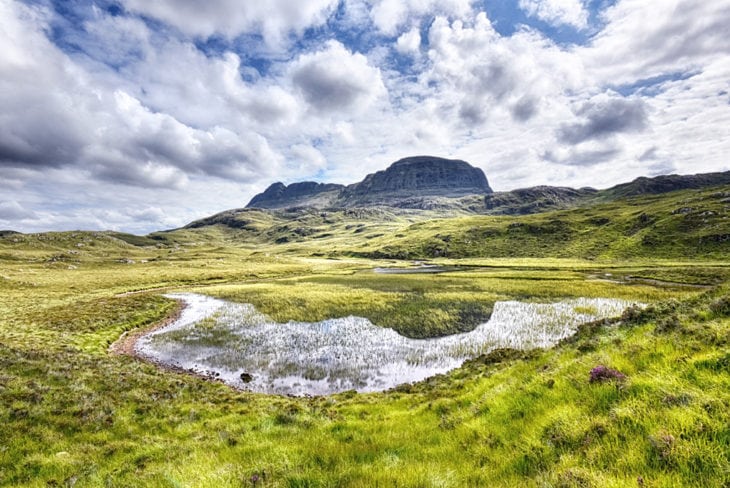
{"x": 246, "y": 349}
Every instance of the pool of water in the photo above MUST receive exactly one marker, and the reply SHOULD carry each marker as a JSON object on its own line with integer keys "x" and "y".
{"x": 423, "y": 268}
{"x": 246, "y": 349}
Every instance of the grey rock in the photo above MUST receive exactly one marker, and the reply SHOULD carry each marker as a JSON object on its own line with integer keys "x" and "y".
{"x": 535, "y": 199}
{"x": 421, "y": 182}
{"x": 419, "y": 176}
{"x": 279, "y": 195}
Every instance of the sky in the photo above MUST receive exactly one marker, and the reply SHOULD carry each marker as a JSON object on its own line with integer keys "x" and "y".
{"x": 138, "y": 116}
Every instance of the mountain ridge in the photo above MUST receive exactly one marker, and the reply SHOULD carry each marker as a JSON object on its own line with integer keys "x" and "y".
{"x": 405, "y": 183}
{"x": 434, "y": 183}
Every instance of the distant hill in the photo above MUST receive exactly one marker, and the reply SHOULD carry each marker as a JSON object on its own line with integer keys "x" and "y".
{"x": 667, "y": 183}
{"x": 447, "y": 209}
{"x": 415, "y": 182}
{"x": 432, "y": 183}
{"x": 537, "y": 222}
{"x": 535, "y": 200}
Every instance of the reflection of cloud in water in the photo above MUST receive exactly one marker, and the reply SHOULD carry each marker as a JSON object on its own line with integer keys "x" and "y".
{"x": 346, "y": 353}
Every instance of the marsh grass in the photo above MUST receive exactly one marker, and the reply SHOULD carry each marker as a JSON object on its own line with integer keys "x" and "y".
{"x": 71, "y": 414}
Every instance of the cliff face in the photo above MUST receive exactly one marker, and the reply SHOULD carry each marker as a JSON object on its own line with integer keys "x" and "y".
{"x": 418, "y": 177}
{"x": 406, "y": 183}
{"x": 306, "y": 193}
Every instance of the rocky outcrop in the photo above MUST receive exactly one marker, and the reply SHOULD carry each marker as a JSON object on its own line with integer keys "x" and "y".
{"x": 418, "y": 176}
{"x": 535, "y": 199}
{"x": 305, "y": 193}
{"x": 667, "y": 183}
{"x": 415, "y": 182}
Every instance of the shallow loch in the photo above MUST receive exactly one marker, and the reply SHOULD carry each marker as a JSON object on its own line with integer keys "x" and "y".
{"x": 246, "y": 349}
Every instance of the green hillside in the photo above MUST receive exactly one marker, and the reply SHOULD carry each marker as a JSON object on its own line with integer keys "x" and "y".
{"x": 690, "y": 223}
{"x": 687, "y": 223}
{"x": 640, "y": 400}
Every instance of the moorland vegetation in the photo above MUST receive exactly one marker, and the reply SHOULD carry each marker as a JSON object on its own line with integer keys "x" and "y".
{"x": 641, "y": 400}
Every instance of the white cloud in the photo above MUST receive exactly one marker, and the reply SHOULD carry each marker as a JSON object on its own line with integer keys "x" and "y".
{"x": 557, "y": 12}
{"x": 140, "y": 113}
{"x": 390, "y": 16}
{"x": 335, "y": 80}
{"x": 409, "y": 42}
{"x": 480, "y": 73}
{"x": 645, "y": 39}
{"x": 56, "y": 114}
{"x": 274, "y": 19}
{"x": 307, "y": 159}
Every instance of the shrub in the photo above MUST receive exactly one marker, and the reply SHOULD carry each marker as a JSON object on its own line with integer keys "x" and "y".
{"x": 602, "y": 374}
{"x": 721, "y": 307}
{"x": 667, "y": 324}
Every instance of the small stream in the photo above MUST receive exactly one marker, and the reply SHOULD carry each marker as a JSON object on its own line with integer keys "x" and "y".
{"x": 246, "y": 349}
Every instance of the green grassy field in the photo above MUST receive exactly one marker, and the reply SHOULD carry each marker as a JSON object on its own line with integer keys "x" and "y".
{"x": 73, "y": 414}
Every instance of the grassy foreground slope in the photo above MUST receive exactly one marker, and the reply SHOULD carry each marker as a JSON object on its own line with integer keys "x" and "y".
{"x": 72, "y": 414}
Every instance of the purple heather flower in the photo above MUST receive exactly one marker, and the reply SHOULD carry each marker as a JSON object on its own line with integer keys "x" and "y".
{"x": 602, "y": 373}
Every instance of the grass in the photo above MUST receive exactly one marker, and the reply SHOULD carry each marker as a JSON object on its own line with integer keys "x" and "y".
{"x": 418, "y": 306}
{"x": 690, "y": 223}
{"x": 72, "y": 414}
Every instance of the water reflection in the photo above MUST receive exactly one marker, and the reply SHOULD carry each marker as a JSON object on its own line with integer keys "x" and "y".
{"x": 246, "y": 349}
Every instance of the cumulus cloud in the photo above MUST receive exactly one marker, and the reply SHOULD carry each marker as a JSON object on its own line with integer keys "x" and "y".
{"x": 647, "y": 39}
{"x": 390, "y": 16}
{"x": 557, "y": 12}
{"x": 307, "y": 158}
{"x": 605, "y": 117}
{"x": 409, "y": 42}
{"x": 336, "y": 80}
{"x": 55, "y": 114}
{"x": 273, "y": 19}
{"x": 38, "y": 95}
{"x": 480, "y": 73}
{"x": 115, "y": 40}
{"x": 178, "y": 101}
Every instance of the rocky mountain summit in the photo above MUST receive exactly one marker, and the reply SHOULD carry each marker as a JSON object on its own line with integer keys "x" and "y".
{"x": 306, "y": 193}
{"x": 426, "y": 187}
{"x": 418, "y": 176}
{"x": 453, "y": 186}
{"x": 408, "y": 183}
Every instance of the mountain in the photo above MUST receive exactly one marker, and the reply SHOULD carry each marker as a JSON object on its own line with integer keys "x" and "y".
{"x": 453, "y": 185}
{"x": 536, "y": 199}
{"x": 404, "y": 213}
{"x": 667, "y": 183}
{"x": 539, "y": 199}
{"x": 418, "y": 176}
{"x": 415, "y": 182}
{"x": 306, "y": 193}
